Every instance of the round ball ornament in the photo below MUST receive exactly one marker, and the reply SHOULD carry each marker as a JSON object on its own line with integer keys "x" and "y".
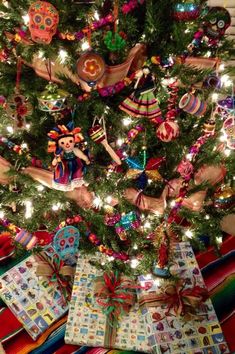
{"x": 186, "y": 11}
{"x": 192, "y": 105}
{"x": 224, "y": 198}
{"x": 168, "y": 131}
{"x": 90, "y": 68}
{"x": 43, "y": 21}
{"x": 52, "y": 99}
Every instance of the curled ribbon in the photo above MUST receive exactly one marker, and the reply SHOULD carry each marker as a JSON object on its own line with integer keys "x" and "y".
{"x": 179, "y": 299}
{"x": 115, "y": 295}
{"x": 57, "y": 271}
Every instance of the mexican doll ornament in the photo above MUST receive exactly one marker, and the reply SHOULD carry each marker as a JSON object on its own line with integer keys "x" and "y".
{"x": 142, "y": 102}
{"x": 67, "y": 163}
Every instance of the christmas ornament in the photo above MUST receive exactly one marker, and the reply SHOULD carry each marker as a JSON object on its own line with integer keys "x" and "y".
{"x": 98, "y": 135}
{"x": 7, "y": 247}
{"x": 216, "y": 22}
{"x": 43, "y": 21}
{"x": 142, "y": 102}
{"x": 52, "y": 99}
{"x": 209, "y": 126}
{"x": 168, "y": 131}
{"x": 172, "y": 110}
{"x": 229, "y": 130}
{"x": 213, "y": 81}
{"x": 227, "y": 103}
{"x": 26, "y": 239}
{"x": 123, "y": 223}
{"x": 224, "y": 198}
{"x": 186, "y": 11}
{"x": 142, "y": 170}
{"x": 18, "y": 107}
{"x": 68, "y": 168}
{"x": 193, "y": 105}
{"x": 161, "y": 243}
{"x": 90, "y": 67}
{"x": 66, "y": 242}
{"x": 114, "y": 41}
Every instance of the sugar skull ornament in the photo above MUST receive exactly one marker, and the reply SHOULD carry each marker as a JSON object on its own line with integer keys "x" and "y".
{"x": 43, "y": 21}
{"x": 216, "y": 22}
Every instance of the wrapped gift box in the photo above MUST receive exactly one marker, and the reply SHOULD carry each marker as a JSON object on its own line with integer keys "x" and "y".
{"x": 170, "y": 333}
{"x": 33, "y": 299}
{"x": 86, "y": 323}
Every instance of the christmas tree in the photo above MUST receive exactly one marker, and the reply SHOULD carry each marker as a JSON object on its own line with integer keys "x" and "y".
{"x": 117, "y": 118}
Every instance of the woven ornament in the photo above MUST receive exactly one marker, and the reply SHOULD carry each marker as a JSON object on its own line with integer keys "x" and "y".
{"x": 168, "y": 131}
{"x": 192, "y": 105}
{"x": 90, "y": 68}
{"x": 43, "y": 21}
{"x": 26, "y": 239}
{"x": 186, "y": 11}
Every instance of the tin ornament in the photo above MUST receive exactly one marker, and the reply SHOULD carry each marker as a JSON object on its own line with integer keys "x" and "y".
{"x": 52, "y": 99}
{"x": 90, "y": 67}
{"x": 43, "y": 21}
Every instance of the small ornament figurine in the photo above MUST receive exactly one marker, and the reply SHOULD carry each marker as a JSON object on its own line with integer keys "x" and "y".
{"x": 68, "y": 168}
{"x": 43, "y": 21}
{"x": 229, "y": 130}
{"x": 98, "y": 135}
{"x": 142, "y": 102}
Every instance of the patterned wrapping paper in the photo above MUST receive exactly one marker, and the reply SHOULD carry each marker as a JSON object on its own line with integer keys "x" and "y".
{"x": 86, "y": 323}
{"x": 32, "y": 299}
{"x": 171, "y": 334}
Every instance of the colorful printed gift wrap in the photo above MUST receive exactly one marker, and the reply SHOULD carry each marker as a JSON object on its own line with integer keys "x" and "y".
{"x": 37, "y": 301}
{"x": 178, "y": 320}
{"x": 87, "y": 324}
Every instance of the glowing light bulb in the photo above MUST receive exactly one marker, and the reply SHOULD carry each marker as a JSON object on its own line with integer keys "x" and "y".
{"x": 28, "y": 209}
{"x": 97, "y": 202}
{"x": 1, "y": 214}
{"x": 24, "y": 146}
{"x": 126, "y": 121}
{"x": 10, "y": 129}
{"x": 172, "y": 203}
{"x": 63, "y": 55}
{"x": 219, "y": 239}
{"x": 134, "y": 263}
{"x": 109, "y": 199}
{"x": 27, "y": 126}
{"x": 227, "y": 152}
{"x": 26, "y": 19}
{"x": 224, "y": 78}
{"x": 85, "y": 45}
{"x": 120, "y": 142}
{"x": 135, "y": 247}
{"x": 215, "y": 97}
{"x": 56, "y": 206}
{"x": 189, "y": 233}
{"x": 221, "y": 67}
{"x": 96, "y": 15}
{"x": 40, "y": 188}
{"x": 147, "y": 225}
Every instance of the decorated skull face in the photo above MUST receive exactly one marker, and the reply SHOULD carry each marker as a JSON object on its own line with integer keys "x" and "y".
{"x": 229, "y": 129}
{"x": 43, "y": 21}
{"x": 217, "y": 21}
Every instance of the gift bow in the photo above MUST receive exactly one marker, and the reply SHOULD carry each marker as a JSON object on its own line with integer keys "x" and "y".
{"x": 57, "y": 271}
{"x": 115, "y": 295}
{"x": 178, "y": 298}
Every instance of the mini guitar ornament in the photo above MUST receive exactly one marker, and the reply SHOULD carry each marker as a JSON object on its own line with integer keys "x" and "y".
{"x": 43, "y": 21}
{"x": 98, "y": 135}
{"x": 90, "y": 68}
{"x": 66, "y": 242}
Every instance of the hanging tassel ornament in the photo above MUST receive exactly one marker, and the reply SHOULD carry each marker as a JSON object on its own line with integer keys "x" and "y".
{"x": 98, "y": 134}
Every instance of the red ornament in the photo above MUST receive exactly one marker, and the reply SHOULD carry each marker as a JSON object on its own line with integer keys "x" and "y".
{"x": 167, "y": 131}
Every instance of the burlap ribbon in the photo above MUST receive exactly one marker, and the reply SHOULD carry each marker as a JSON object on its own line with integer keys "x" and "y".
{"x": 115, "y": 295}
{"x": 180, "y": 300}
{"x": 57, "y": 271}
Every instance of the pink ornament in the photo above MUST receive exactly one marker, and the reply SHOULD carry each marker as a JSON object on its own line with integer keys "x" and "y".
{"x": 168, "y": 131}
{"x": 185, "y": 169}
{"x": 43, "y": 21}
